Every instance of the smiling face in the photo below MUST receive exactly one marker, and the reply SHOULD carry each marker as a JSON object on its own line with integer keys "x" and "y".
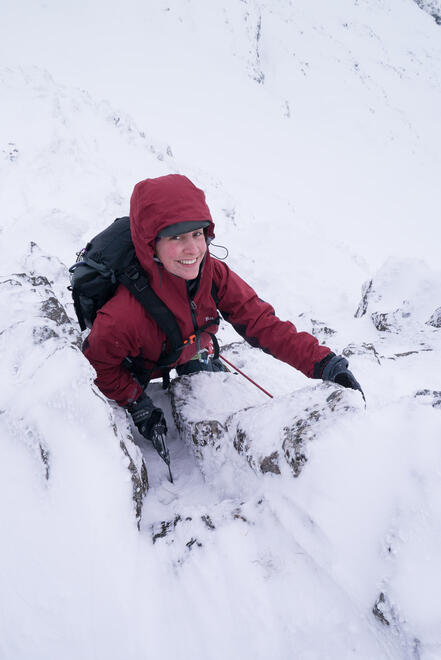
{"x": 182, "y": 255}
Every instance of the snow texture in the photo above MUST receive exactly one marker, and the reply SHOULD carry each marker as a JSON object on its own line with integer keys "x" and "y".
{"x": 304, "y": 526}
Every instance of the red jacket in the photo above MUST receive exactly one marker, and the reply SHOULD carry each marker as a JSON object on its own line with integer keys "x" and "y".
{"x": 124, "y": 328}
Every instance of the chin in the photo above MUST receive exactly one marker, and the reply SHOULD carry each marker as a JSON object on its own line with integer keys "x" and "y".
{"x": 191, "y": 276}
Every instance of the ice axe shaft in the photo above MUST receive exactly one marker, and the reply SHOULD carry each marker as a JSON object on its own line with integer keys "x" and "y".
{"x": 158, "y": 441}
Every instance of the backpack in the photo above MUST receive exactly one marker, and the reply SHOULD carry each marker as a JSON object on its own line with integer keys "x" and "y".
{"x": 108, "y": 260}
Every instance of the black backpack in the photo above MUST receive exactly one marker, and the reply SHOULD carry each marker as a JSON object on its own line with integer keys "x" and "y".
{"x": 108, "y": 260}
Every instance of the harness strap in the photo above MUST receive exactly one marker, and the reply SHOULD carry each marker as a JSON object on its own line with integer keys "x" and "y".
{"x": 193, "y": 339}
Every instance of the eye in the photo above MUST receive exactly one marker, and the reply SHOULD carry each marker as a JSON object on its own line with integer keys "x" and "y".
{"x": 174, "y": 238}
{"x": 197, "y": 233}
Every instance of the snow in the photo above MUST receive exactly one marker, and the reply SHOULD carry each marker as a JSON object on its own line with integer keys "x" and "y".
{"x": 314, "y": 130}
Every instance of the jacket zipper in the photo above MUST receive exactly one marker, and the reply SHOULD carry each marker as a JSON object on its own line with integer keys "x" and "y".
{"x": 193, "y": 308}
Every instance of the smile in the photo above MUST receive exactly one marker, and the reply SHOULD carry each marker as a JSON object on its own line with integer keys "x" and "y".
{"x": 187, "y": 262}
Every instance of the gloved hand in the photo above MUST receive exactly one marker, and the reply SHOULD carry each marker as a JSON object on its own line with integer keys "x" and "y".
{"x": 336, "y": 370}
{"x": 148, "y": 419}
{"x": 150, "y": 422}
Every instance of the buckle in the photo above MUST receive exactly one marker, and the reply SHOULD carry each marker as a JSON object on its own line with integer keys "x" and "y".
{"x": 132, "y": 272}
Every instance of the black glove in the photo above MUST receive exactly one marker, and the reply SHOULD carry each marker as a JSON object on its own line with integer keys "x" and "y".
{"x": 150, "y": 422}
{"x": 148, "y": 419}
{"x": 335, "y": 369}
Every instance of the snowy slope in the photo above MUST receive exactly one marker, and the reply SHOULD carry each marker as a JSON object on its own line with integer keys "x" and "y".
{"x": 314, "y": 129}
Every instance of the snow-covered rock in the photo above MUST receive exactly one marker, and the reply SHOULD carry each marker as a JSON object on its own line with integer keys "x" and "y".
{"x": 432, "y": 7}
{"x": 45, "y": 391}
{"x": 401, "y": 299}
{"x": 268, "y": 436}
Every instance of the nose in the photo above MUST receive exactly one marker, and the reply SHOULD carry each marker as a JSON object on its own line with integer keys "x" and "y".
{"x": 191, "y": 245}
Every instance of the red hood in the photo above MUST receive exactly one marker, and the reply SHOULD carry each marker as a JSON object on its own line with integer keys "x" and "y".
{"x": 158, "y": 203}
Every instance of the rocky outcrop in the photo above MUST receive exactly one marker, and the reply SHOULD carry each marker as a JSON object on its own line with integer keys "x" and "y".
{"x": 435, "y": 318}
{"x": 321, "y": 331}
{"x": 432, "y": 397}
{"x": 366, "y": 291}
{"x": 36, "y": 331}
{"x": 46, "y": 316}
{"x": 432, "y": 7}
{"x": 402, "y": 298}
{"x": 270, "y": 437}
{"x": 387, "y": 615}
{"x": 364, "y": 349}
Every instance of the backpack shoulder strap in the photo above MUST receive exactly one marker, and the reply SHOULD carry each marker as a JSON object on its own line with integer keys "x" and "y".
{"x": 136, "y": 281}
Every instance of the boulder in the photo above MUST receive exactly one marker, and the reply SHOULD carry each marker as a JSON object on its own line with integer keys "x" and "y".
{"x": 217, "y": 417}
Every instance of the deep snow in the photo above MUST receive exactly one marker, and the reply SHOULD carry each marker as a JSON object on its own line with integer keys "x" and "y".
{"x": 314, "y": 130}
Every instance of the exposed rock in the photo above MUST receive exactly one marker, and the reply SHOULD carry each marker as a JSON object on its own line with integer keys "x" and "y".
{"x": 365, "y": 294}
{"x": 184, "y": 534}
{"x": 42, "y": 334}
{"x": 432, "y": 7}
{"x": 54, "y": 311}
{"x": 270, "y": 463}
{"x": 385, "y": 612}
{"x": 381, "y": 610}
{"x": 140, "y": 481}
{"x": 382, "y": 321}
{"x": 162, "y": 529}
{"x": 242, "y": 442}
{"x": 45, "y": 315}
{"x": 266, "y": 435}
{"x": 208, "y": 522}
{"x": 321, "y": 330}
{"x": 430, "y": 396}
{"x": 390, "y": 321}
{"x": 238, "y": 514}
{"x": 28, "y": 435}
{"x": 362, "y": 349}
{"x": 208, "y": 432}
{"x": 44, "y": 453}
{"x": 305, "y": 428}
{"x": 294, "y": 446}
{"x": 10, "y": 152}
{"x": 134, "y": 458}
{"x": 401, "y": 298}
{"x": 435, "y": 319}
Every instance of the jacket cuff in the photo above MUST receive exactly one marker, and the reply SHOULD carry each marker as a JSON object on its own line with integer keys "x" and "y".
{"x": 337, "y": 365}
{"x": 319, "y": 366}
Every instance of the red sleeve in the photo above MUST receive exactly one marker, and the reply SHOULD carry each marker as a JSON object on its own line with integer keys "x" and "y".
{"x": 113, "y": 337}
{"x": 255, "y": 320}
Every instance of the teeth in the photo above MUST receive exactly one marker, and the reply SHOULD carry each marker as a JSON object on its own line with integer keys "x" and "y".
{"x": 187, "y": 262}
